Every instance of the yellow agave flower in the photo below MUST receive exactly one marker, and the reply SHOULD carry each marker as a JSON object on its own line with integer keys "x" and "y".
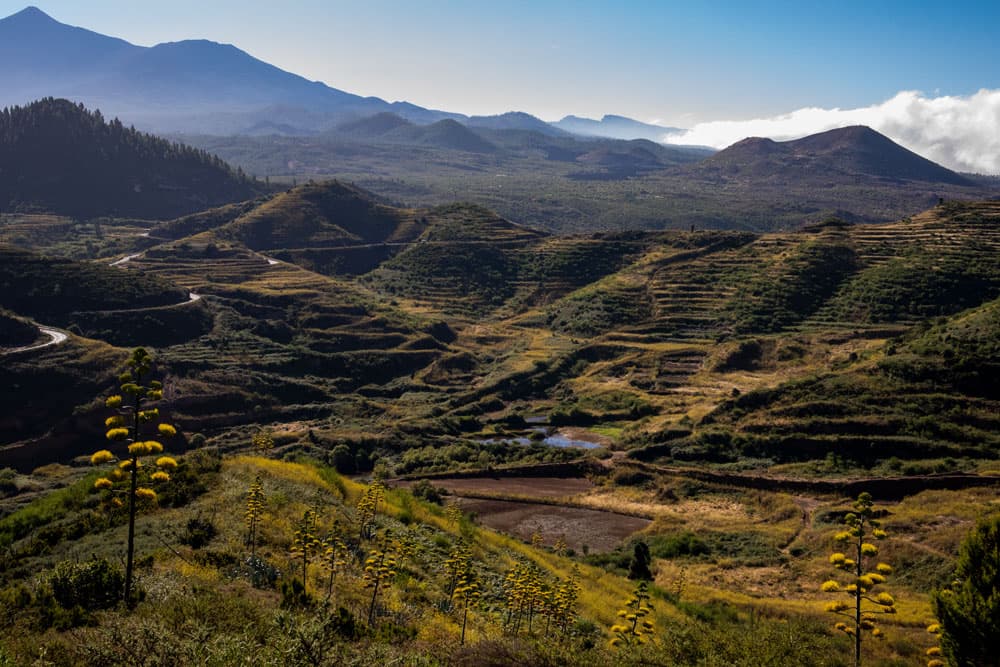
{"x": 101, "y": 456}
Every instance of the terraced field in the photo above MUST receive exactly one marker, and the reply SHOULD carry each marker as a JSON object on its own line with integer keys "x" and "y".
{"x": 439, "y": 330}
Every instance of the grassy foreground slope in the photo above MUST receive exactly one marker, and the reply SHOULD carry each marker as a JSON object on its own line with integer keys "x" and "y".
{"x": 201, "y": 584}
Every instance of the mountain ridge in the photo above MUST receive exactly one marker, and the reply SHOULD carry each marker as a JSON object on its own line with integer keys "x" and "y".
{"x": 615, "y": 127}
{"x": 175, "y": 87}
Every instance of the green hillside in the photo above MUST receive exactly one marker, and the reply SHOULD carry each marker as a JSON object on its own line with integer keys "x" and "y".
{"x": 714, "y": 396}
{"x": 320, "y": 215}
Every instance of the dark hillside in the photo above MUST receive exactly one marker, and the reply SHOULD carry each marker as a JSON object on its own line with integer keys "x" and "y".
{"x": 58, "y": 157}
{"x": 862, "y": 150}
{"x": 15, "y": 331}
{"x": 516, "y": 120}
{"x": 39, "y": 286}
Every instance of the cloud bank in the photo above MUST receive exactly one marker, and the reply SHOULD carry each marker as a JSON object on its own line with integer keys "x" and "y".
{"x": 961, "y": 133}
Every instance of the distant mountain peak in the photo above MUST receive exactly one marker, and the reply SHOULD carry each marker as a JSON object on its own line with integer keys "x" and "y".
{"x": 614, "y": 126}
{"x": 755, "y": 144}
{"x": 30, "y": 13}
{"x": 856, "y": 149}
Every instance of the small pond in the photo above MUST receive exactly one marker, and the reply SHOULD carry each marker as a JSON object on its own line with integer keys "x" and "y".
{"x": 550, "y": 441}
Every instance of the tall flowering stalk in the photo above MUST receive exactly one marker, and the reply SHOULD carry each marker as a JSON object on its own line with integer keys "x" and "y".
{"x": 866, "y": 574}
{"x": 466, "y": 593}
{"x": 335, "y": 555}
{"x": 132, "y": 422}
{"x": 563, "y": 609}
{"x": 306, "y": 543}
{"x": 380, "y": 568}
{"x": 368, "y": 508}
{"x": 254, "y": 510}
{"x": 634, "y": 627}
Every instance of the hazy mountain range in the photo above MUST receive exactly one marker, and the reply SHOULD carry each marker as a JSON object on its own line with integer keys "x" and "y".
{"x": 200, "y": 86}
{"x": 276, "y": 124}
{"x": 55, "y": 156}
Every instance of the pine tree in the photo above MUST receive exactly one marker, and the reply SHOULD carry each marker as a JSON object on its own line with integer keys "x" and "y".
{"x": 969, "y": 610}
{"x": 639, "y": 566}
{"x": 133, "y": 421}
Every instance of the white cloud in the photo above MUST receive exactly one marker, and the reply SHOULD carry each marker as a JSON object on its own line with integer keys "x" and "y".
{"x": 962, "y": 133}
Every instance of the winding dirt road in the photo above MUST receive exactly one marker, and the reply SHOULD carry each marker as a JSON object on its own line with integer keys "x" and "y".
{"x": 126, "y": 259}
{"x": 55, "y": 337}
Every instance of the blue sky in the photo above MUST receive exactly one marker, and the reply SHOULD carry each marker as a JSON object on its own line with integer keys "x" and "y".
{"x": 680, "y": 63}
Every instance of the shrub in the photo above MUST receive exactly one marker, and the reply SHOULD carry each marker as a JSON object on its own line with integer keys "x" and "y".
{"x": 94, "y": 584}
{"x": 424, "y": 489}
{"x": 198, "y": 532}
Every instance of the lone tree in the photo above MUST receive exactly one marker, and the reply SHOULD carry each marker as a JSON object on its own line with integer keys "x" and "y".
{"x": 134, "y": 421}
{"x": 638, "y": 568}
{"x": 865, "y": 573}
{"x": 969, "y": 611}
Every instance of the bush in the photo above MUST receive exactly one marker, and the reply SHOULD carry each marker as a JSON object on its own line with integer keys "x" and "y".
{"x": 198, "y": 532}
{"x": 424, "y": 489}
{"x": 258, "y": 571}
{"x": 95, "y": 584}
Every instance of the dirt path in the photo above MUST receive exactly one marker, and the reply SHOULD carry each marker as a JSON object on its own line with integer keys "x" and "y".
{"x": 807, "y": 506}
{"x": 126, "y": 259}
